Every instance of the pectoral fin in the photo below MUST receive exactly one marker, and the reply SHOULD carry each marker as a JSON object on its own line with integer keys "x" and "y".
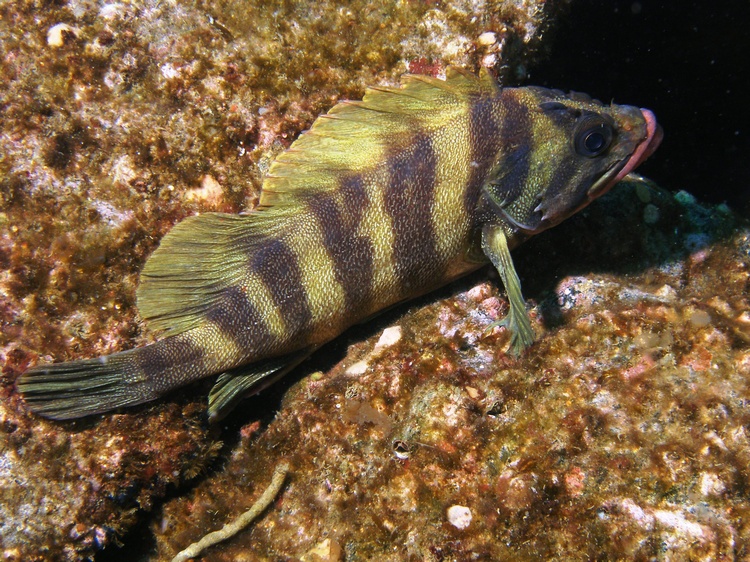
{"x": 495, "y": 247}
{"x": 234, "y": 385}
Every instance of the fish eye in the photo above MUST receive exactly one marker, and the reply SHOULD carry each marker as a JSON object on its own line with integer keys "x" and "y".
{"x": 593, "y": 136}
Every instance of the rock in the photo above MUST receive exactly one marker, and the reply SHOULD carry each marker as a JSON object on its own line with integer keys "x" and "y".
{"x": 621, "y": 431}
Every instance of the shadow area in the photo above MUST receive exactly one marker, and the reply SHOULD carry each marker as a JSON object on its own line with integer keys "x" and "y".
{"x": 635, "y": 227}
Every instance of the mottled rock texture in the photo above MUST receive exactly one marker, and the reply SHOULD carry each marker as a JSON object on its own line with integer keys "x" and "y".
{"x": 118, "y": 119}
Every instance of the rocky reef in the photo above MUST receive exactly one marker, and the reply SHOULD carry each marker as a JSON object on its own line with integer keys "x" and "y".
{"x": 621, "y": 434}
{"x": 118, "y": 120}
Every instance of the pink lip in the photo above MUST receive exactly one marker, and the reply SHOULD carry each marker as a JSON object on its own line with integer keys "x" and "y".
{"x": 654, "y": 136}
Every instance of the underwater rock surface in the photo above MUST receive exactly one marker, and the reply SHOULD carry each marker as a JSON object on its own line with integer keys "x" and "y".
{"x": 118, "y": 120}
{"x": 621, "y": 434}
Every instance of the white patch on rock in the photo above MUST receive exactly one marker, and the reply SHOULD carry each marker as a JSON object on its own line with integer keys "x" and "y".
{"x": 210, "y": 191}
{"x": 169, "y": 71}
{"x": 678, "y": 522}
{"x": 56, "y": 34}
{"x": 487, "y": 38}
{"x": 459, "y": 516}
{"x": 389, "y": 337}
{"x": 711, "y": 484}
{"x": 358, "y": 368}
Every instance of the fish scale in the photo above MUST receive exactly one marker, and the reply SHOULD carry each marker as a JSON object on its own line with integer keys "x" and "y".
{"x": 381, "y": 201}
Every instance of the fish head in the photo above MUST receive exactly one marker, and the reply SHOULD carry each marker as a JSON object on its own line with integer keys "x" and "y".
{"x": 564, "y": 151}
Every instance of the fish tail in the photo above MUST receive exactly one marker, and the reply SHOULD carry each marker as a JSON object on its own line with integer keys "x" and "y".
{"x": 75, "y": 389}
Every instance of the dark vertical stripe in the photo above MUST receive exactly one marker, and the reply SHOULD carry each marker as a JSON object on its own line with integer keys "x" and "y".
{"x": 277, "y": 267}
{"x": 352, "y": 254}
{"x": 409, "y": 198}
{"x": 500, "y": 123}
{"x": 484, "y": 141}
{"x": 239, "y": 319}
{"x": 171, "y": 362}
{"x": 557, "y": 204}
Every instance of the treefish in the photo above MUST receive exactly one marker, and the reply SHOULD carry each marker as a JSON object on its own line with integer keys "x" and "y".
{"x": 382, "y": 200}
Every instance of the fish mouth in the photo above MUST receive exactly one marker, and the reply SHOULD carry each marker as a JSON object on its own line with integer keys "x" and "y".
{"x": 654, "y": 136}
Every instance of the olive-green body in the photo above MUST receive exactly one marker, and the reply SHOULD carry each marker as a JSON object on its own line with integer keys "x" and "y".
{"x": 381, "y": 201}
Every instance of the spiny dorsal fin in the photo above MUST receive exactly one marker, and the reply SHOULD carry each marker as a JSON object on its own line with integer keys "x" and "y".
{"x": 196, "y": 261}
{"x": 352, "y": 136}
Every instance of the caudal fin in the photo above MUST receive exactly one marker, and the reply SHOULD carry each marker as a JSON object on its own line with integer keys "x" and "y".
{"x": 75, "y": 389}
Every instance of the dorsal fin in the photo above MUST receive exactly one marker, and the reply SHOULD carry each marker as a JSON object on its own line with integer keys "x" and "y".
{"x": 352, "y": 136}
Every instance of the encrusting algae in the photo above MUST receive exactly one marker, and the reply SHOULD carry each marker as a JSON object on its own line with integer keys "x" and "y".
{"x": 381, "y": 201}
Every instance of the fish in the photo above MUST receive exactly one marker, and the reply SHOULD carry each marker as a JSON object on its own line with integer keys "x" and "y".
{"x": 380, "y": 201}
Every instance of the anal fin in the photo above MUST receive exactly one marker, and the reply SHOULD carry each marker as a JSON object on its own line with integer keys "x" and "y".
{"x": 231, "y": 387}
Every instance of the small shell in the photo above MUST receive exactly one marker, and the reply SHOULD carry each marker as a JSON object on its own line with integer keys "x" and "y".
{"x": 402, "y": 450}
